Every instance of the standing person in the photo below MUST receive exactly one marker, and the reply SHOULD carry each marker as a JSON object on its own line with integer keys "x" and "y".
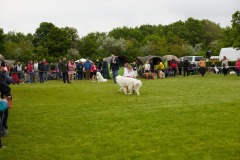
{"x": 105, "y": 69}
{"x": 71, "y": 69}
{"x": 40, "y": 71}
{"x": 64, "y": 69}
{"x": 173, "y": 64}
{"x": 225, "y": 65}
{"x": 35, "y": 69}
{"x": 30, "y": 72}
{"x": 135, "y": 68}
{"x": 79, "y": 70}
{"x": 46, "y": 69}
{"x": 147, "y": 67}
{"x": 202, "y": 65}
{"x": 237, "y": 65}
{"x": 93, "y": 70}
{"x": 87, "y": 66}
{"x": 19, "y": 70}
{"x": 5, "y": 92}
{"x": 114, "y": 66}
{"x": 13, "y": 72}
{"x": 186, "y": 65}
{"x": 128, "y": 71}
{"x": 99, "y": 65}
{"x": 180, "y": 65}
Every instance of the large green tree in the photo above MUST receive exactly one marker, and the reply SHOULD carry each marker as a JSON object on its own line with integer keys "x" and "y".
{"x": 2, "y": 40}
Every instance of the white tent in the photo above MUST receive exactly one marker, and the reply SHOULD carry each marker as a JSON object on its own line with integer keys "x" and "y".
{"x": 232, "y": 54}
{"x": 83, "y": 60}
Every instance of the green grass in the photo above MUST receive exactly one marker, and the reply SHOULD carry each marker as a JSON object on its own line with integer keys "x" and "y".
{"x": 193, "y": 117}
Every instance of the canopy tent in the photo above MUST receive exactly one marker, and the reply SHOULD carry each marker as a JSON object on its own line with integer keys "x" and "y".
{"x": 9, "y": 62}
{"x": 122, "y": 59}
{"x": 170, "y": 57}
{"x": 155, "y": 59}
{"x": 83, "y": 60}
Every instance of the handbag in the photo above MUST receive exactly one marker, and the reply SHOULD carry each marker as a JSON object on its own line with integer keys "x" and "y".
{"x": 3, "y": 105}
{"x": 9, "y": 102}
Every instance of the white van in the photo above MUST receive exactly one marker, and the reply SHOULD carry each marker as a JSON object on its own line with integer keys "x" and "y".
{"x": 193, "y": 59}
{"x": 232, "y": 54}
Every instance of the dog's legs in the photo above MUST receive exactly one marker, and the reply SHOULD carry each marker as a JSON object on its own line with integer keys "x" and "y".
{"x": 130, "y": 88}
{"x": 137, "y": 91}
{"x": 125, "y": 90}
{"x": 120, "y": 89}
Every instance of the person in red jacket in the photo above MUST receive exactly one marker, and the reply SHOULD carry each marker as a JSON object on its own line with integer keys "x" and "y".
{"x": 93, "y": 71}
{"x": 238, "y": 67}
{"x": 173, "y": 64}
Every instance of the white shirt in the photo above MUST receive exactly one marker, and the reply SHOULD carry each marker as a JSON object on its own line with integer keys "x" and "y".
{"x": 128, "y": 73}
{"x": 147, "y": 67}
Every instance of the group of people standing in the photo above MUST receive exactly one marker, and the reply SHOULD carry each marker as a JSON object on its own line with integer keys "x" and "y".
{"x": 84, "y": 70}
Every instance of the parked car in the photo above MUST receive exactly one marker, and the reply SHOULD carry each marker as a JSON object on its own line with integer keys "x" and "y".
{"x": 193, "y": 60}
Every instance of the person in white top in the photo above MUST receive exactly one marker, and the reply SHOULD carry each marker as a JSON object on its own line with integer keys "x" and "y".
{"x": 128, "y": 71}
{"x": 225, "y": 65}
{"x": 147, "y": 67}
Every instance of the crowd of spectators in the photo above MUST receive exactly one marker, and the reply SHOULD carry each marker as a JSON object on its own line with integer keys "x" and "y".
{"x": 69, "y": 70}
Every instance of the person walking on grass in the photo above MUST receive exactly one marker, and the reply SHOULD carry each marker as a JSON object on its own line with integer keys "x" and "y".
{"x": 202, "y": 65}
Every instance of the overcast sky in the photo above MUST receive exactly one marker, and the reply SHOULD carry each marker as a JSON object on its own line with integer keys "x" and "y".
{"x": 104, "y": 15}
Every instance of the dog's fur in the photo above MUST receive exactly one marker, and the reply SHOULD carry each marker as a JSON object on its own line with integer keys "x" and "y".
{"x": 148, "y": 74}
{"x": 161, "y": 74}
{"x": 100, "y": 77}
{"x": 130, "y": 84}
{"x": 216, "y": 70}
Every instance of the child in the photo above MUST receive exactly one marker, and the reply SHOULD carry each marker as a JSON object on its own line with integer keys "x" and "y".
{"x": 3, "y": 107}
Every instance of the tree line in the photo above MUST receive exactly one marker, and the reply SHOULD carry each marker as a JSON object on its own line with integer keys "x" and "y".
{"x": 191, "y": 37}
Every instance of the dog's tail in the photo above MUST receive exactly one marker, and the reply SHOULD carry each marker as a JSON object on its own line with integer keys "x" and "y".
{"x": 139, "y": 83}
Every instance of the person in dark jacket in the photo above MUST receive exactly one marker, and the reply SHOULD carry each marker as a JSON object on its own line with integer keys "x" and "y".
{"x": 114, "y": 66}
{"x": 41, "y": 71}
{"x": 64, "y": 69}
{"x": 105, "y": 69}
{"x": 5, "y": 92}
{"x": 186, "y": 66}
{"x": 180, "y": 65}
{"x": 79, "y": 70}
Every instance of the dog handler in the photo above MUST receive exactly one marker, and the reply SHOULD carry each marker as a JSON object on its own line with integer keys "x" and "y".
{"x": 114, "y": 65}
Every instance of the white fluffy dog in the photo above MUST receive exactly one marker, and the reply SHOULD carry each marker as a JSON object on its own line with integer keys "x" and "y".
{"x": 161, "y": 74}
{"x": 100, "y": 77}
{"x": 216, "y": 70}
{"x": 130, "y": 84}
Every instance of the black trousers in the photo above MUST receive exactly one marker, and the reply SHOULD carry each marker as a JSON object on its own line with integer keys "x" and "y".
{"x": 186, "y": 71}
{"x": 65, "y": 77}
{"x": 202, "y": 70}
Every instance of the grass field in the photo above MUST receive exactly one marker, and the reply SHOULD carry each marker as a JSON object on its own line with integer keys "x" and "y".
{"x": 195, "y": 118}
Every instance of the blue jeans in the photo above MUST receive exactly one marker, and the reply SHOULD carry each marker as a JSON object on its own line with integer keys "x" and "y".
{"x": 115, "y": 74}
{"x": 41, "y": 77}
